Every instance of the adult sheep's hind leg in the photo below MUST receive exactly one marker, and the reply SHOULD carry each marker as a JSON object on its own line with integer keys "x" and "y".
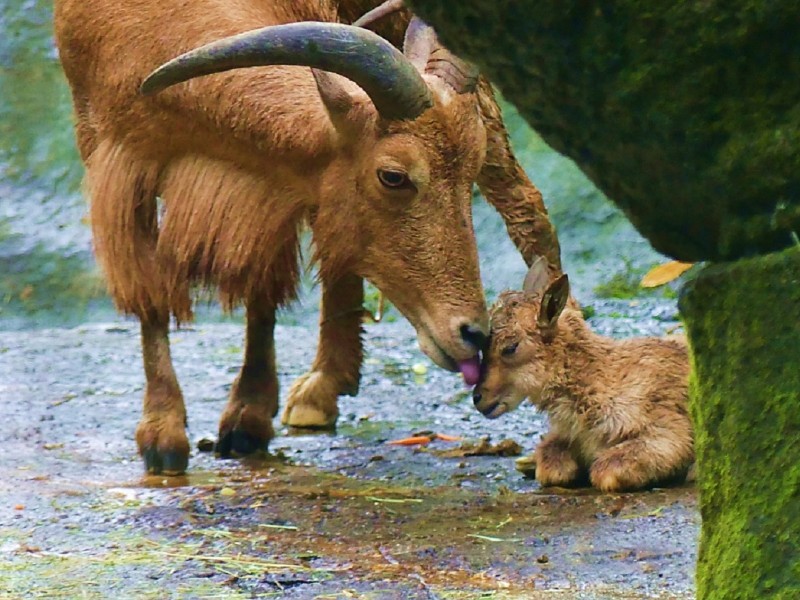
{"x": 312, "y": 401}
{"x": 161, "y": 434}
{"x": 246, "y": 423}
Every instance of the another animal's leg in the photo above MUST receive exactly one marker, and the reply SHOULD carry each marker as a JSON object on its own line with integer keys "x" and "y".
{"x": 161, "y": 433}
{"x": 246, "y": 423}
{"x": 555, "y": 463}
{"x": 312, "y": 400}
{"x": 654, "y": 457}
{"x": 506, "y": 187}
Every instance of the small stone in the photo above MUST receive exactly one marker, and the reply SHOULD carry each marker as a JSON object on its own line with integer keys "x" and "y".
{"x": 205, "y": 445}
{"x": 419, "y": 369}
{"x": 226, "y": 491}
{"x": 543, "y": 559}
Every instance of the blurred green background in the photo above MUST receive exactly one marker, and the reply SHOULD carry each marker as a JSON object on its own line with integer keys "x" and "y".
{"x": 47, "y": 273}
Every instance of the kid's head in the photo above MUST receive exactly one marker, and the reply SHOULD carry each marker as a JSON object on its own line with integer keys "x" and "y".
{"x": 519, "y": 360}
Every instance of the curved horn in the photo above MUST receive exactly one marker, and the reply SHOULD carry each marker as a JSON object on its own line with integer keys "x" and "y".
{"x": 391, "y": 81}
{"x": 423, "y": 48}
{"x": 378, "y": 13}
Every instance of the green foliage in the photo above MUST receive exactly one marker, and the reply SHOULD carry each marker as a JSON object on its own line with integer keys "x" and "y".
{"x": 374, "y": 303}
{"x": 622, "y": 286}
{"x": 626, "y": 285}
{"x": 36, "y": 138}
{"x": 46, "y": 286}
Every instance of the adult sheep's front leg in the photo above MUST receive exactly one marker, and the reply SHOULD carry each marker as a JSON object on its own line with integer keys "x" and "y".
{"x": 161, "y": 434}
{"x": 246, "y": 423}
{"x": 312, "y": 400}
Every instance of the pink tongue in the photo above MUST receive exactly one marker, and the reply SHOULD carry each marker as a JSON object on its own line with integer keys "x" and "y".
{"x": 471, "y": 370}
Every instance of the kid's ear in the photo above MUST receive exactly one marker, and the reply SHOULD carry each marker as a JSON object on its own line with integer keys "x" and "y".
{"x": 537, "y": 278}
{"x": 554, "y": 300}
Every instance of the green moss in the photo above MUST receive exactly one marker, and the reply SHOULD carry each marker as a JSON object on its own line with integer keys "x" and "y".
{"x": 626, "y": 285}
{"x": 685, "y": 113}
{"x": 621, "y": 285}
{"x": 742, "y": 319}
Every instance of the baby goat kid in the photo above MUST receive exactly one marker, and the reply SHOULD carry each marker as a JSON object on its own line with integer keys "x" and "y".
{"x": 617, "y": 408}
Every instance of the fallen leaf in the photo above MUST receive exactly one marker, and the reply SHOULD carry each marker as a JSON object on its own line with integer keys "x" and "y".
{"x": 482, "y": 448}
{"x": 661, "y": 274}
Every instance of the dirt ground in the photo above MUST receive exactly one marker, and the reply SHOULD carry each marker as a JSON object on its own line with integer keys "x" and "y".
{"x": 328, "y": 516}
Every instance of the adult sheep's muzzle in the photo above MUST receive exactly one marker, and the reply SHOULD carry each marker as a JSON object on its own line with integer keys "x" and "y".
{"x": 458, "y": 348}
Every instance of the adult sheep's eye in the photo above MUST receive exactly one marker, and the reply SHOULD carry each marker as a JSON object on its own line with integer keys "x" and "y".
{"x": 393, "y": 179}
{"x": 509, "y": 350}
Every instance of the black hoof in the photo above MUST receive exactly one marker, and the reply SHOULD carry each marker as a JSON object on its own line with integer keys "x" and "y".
{"x": 169, "y": 463}
{"x": 351, "y": 389}
{"x": 152, "y": 461}
{"x": 238, "y": 443}
{"x": 175, "y": 463}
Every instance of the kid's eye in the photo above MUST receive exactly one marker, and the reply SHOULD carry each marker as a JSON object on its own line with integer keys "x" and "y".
{"x": 509, "y": 350}
{"x": 393, "y": 179}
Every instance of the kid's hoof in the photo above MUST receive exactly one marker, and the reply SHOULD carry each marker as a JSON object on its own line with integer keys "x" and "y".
{"x": 169, "y": 463}
{"x": 239, "y": 442}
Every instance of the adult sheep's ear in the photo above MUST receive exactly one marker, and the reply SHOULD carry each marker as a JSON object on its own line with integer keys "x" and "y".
{"x": 554, "y": 300}
{"x": 537, "y": 278}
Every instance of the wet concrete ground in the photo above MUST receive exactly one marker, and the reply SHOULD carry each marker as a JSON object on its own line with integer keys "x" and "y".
{"x": 331, "y": 516}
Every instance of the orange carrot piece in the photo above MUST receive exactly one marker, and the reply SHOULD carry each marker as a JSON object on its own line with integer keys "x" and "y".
{"x": 411, "y": 441}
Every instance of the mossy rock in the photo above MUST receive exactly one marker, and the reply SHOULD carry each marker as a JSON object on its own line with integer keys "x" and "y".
{"x": 685, "y": 113}
{"x": 742, "y": 319}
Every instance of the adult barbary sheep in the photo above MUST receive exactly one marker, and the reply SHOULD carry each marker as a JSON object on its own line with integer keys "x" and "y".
{"x": 617, "y": 408}
{"x": 380, "y": 164}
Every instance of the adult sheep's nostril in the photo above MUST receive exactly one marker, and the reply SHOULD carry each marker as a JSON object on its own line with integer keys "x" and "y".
{"x": 474, "y": 336}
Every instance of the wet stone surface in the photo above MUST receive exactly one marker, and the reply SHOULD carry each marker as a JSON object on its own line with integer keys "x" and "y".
{"x": 341, "y": 515}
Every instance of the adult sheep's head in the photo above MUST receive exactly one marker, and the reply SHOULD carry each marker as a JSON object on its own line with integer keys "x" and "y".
{"x": 394, "y": 194}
